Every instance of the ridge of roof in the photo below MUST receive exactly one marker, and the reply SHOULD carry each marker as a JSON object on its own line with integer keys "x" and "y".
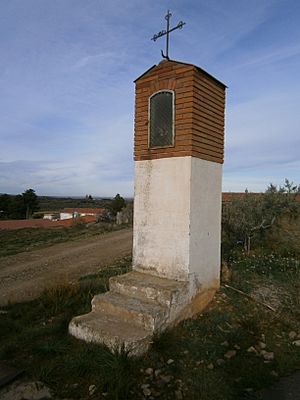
{"x": 82, "y": 209}
{"x": 183, "y": 63}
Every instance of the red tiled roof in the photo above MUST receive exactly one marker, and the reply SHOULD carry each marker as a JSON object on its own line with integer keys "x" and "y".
{"x": 69, "y": 222}
{"x": 84, "y": 210}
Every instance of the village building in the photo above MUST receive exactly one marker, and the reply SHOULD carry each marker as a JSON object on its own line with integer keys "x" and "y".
{"x": 68, "y": 213}
{"x": 51, "y": 216}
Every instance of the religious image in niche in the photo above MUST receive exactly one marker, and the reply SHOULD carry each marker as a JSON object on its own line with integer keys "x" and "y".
{"x": 161, "y": 131}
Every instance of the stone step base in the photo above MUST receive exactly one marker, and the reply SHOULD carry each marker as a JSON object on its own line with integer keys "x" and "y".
{"x": 145, "y": 286}
{"x": 107, "y": 329}
{"x": 147, "y": 314}
{"x": 137, "y": 306}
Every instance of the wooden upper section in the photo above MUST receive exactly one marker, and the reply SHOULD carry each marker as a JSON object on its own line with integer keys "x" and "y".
{"x": 199, "y": 112}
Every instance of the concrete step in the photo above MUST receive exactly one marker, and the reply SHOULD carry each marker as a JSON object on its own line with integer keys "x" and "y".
{"x": 100, "y": 327}
{"x": 142, "y": 312}
{"x": 144, "y": 286}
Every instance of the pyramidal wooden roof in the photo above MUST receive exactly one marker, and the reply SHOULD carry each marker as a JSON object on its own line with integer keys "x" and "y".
{"x": 202, "y": 71}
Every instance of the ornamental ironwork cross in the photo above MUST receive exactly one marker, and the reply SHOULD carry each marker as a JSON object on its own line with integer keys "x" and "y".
{"x": 163, "y": 32}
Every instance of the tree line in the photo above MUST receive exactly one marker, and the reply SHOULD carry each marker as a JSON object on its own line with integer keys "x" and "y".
{"x": 248, "y": 220}
{"x": 20, "y": 206}
{"x": 23, "y": 206}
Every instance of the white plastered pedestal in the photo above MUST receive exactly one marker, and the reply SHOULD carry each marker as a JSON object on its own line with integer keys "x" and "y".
{"x": 176, "y": 256}
{"x": 177, "y": 220}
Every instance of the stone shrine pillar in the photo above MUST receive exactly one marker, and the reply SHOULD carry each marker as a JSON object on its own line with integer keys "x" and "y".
{"x": 178, "y": 153}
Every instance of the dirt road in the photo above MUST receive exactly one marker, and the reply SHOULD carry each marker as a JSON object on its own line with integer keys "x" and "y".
{"x": 25, "y": 275}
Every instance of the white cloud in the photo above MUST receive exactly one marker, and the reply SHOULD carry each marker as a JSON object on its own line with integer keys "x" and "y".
{"x": 67, "y": 92}
{"x": 270, "y": 56}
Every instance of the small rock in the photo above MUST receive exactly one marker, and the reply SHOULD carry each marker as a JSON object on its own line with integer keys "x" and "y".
{"x": 186, "y": 352}
{"x": 149, "y": 371}
{"x": 157, "y": 372}
{"x": 42, "y": 392}
{"x": 252, "y": 349}
{"x": 225, "y": 343}
{"x": 262, "y": 345}
{"x": 104, "y": 394}
{"x": 292, "y": 335}
{"x": 268, "y": 355}
{"x": 145, "y": 386}
{"x": 170, "y": 361}
{"x": 27, "y": 391}
{"x": 210, "y": 366}
{"x": 199, "y": 362}
{"x": 296, "y": 343}
{"x": 178, "y": 395}
{"x": 237, "y": 347}
{"x": 220, "y": 361}
{"x": 147, "y": 392}
{"x": 230, "y": 354}
{"x": 166, "y": 378}
{"x": 92, "y": 389}
{"x": 263, "y": 337}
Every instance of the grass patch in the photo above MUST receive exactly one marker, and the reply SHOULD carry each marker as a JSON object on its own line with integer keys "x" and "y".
{"x": 34, "y": 336}
{"x": 28, "y": 239}
{"x": 101, "y": 278}
{"x": 204, "y": 358}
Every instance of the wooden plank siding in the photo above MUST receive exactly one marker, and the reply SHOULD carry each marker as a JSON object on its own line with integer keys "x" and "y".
{"x": 199, "y": 112}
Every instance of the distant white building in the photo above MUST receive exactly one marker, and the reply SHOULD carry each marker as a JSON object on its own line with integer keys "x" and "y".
{"x": 68, "y": 213}
{"x": 51, "y": 216}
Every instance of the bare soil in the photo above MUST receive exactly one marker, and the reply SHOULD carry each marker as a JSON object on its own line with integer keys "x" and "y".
{"x": 25, "y": 275}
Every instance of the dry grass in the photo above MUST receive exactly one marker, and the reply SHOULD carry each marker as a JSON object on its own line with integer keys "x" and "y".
{"x": 34, "y": 336}
{"x": 28, "y": 239}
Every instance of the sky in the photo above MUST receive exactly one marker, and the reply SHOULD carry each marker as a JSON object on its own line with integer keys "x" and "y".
{"x": 67, "y": 94}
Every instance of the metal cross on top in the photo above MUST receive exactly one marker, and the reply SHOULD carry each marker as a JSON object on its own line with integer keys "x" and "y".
{"x": 162, "y": 33}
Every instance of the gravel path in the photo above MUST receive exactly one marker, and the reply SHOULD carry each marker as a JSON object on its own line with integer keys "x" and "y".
{"x": 25, "y": 275}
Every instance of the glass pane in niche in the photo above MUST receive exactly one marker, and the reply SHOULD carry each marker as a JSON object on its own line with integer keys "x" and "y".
{"x": 161, "y": 120}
